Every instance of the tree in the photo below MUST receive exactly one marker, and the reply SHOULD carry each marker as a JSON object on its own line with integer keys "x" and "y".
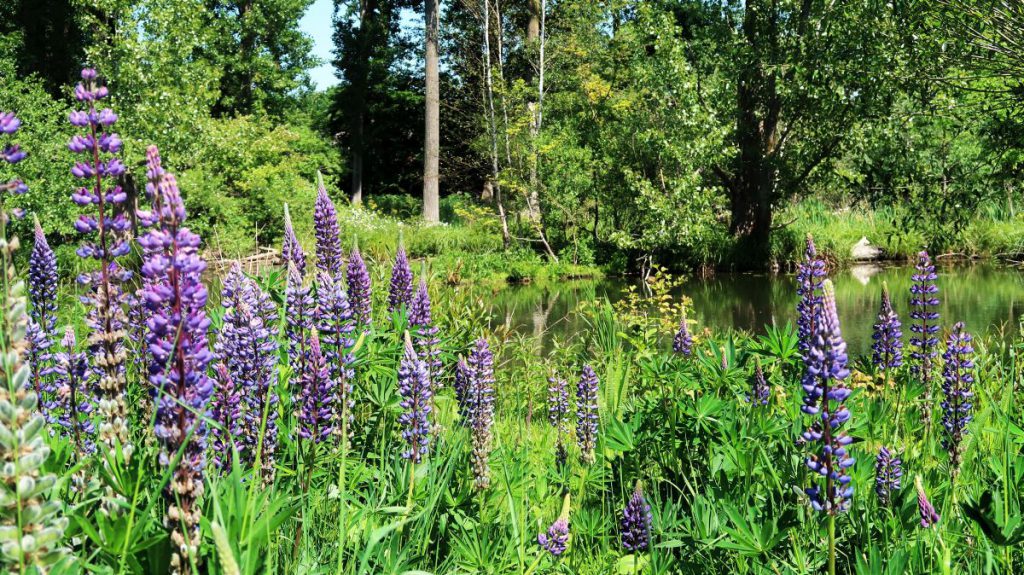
{"x": 432, "y": 137}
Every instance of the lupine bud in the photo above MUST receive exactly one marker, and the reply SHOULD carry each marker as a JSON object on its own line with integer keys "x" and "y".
{"x": 43, "y": 280}
{"x": 415, "y": 389}
{"x": 299, "y": 311}
{"x": 887, "y": 350}
{"x": 424, "y": 335}
{"x": 683, "y": 341}
{"x": 636, "y": 522}
{"x": 400, "y": 292}
{"x": 925, "y": 325}
{"x": 888, "y": 473}
{"x": 558, "y": 415}
{"x": 824, "y": 397}
{"x": 810, "y": 274}
{"x": 110, "y": 225}
{"x": 760, "y": 392}
{"x": 929, "y": 516}
{"x": 480, "y": 410}
{"x": 291, "y": 249}
{"x": 359, "y": 295}
{"x": 325, "y": 228}
{"x": 958, "y": 376}
{"x": 587, "y": 414}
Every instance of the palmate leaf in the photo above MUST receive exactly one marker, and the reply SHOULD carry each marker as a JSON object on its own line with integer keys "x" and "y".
{"x": 748, "y": 538}
{"x": 1010, "y": 533}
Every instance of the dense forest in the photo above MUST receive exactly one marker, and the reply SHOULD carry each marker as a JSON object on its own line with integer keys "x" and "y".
{"x": 620, "y": 133}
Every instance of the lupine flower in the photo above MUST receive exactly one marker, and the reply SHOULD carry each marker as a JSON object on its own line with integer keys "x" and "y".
{"x": 958, "y": 376}
{"x": 810, "y": 274}
{"x": 110, "y": 228}
{"x": 586, "y": 414}
{"x": 247, "y": 344}
{"x": 887, "y": 350}
{"x": 424, "y": 335}
{"x": 179, "y": 352}
{"x": 325, "y": 228}
{"x": 42, "y": 286}
{"x": 30, "y": 520}
{"x": 824, "y": 394}
{"x": 291, "y": 249}
{"x": 556, "y": 540}
{"x": 558, "y": 415}
{"x": 760, "y": 392}
{"x": 480, "y": 410}
{"x": 11, "y": 154}
{"x": 359, "y": 295}
{"x": 226, "y": 412}
{"x": 73, "y": 403}
{"x": 636, "y": 522}
{"x": 39, "y": 360}
{"x": 683, "y": 341}
{"x": 298, "y": 315}
{"x": 414, "y": 387}
{"x": 929, "y": 516}
{"x": 400, "y": 292}
{"x": 462, "y": 383}
{"x": 316, "y": 412}
{"x": 925, "y": 325}
{"x": 888, "y": 474}
{"x": 334, "y": 322}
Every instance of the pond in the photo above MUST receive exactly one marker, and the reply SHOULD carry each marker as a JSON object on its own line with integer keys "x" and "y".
{"x": 988, "y": 298}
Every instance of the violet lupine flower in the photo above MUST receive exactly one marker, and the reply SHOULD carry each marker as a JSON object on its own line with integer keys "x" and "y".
{"x": 929, "y": 516}
{"x": 334, "y": 322}
{"x": 824, "y": 394}
{"x": 760, "y": 392}
{"x": 888, "y": 474}
{"x": 110, "y": 228}
{"x": 226, "y": 412}
{"x": 586, "y": 414}
{"x": 316, "y": 412}
{"x": 298, "y": 314}
{"x": 247, "y": 344}
{"x": 325, "y": 228}
{"x": 414, "y": 387}
{"x": 400, "y": 292}
{"x": 42, "y": 282}
{"x": 636, "y": 522}
{"x": 424, "y": 335}
{"x": 73, "y": 404}
{"x": 291, "y": 249}
{"x": 683, "y": 341}
{"x": 556, "y": 540}
{"x": 958, "y": 376}
{"x": 887, "y": 351}
{"x": 359, "y": 295}
{"x": 925, "y": 326}
{"x": 463, "y": 377}
{"x": 39, "y": 360}
{"x": 179, "y": 353}
{"x": 480, "y": 410}
{"x": 810, "y": 274}
{"x": 558, "y": 415}
{"x": 11, "y": 154}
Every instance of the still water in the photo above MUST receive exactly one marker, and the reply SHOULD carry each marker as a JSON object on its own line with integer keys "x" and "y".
{"x": 988, "y": 298}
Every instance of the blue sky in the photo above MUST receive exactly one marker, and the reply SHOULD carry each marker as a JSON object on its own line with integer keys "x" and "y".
{"x": 317, "y": 23}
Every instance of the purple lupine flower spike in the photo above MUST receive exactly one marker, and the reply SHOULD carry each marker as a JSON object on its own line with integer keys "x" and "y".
{"x": 180, "y": 353}
{"x": 760, "y": 392}
{"x": 11, "y": 154}
{"x": 415, "y": 389}
{"x": 556, "y": 540}
{"x": 480, "y": 410}
{"x": 929, "y": 516}
{"x": 291, "y": 249}
{"x": 824, "y": 397}
{"x": 400, "y": 292}
{"x": 39, "y": 361}
{"x": 424, "y": 335}
{"x": 42, "y": 282}
{"x": 958, "y": 378}
{"x": 359, "y": 295}
{"x": 924, "y": 342}
{"x": 73, "y": 403}
{"x": 226, "y": 412}
{"x": 335, "y": 324}
{"x": 558, "y": 415}
{"x": 810, "y": 274}
{"x": 325, "y": 228}
{"x": 462, "y": 384}
{"x": 587, "y": 414}
{"x": 636, "y": 522}
{"x": 299, "y": 311}
{"x": 887, "y": 349}
{"x": 888, "y": 475}
{"x": 683, "y": 342}
{"x": 110, "y": 227}
{"x": 316, "y": 414}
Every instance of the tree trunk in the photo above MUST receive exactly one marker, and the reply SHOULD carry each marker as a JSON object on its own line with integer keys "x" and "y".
{"x": 491, "y": 122}
{"x": 357, "y": 155}
{"x": 431, "y": 153}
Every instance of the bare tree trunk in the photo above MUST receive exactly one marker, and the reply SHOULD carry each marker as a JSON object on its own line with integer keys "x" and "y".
{"x": 492, "y": 127}
{"x": 357, "y": 158}
{"x": 533, "y": 200}
{"x": 431, "y": 152}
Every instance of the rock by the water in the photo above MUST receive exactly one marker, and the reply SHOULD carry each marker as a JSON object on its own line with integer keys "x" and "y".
{"x": 864, "y": 251}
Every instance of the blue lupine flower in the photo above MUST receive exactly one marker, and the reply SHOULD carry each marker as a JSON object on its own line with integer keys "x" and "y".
{"x": 414, "y": 387}
{"x": 958, "y": 378}
{"x": 887, "y": 349}
{"x": 586, "y": 414}
{"x": 888, "y": 473}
